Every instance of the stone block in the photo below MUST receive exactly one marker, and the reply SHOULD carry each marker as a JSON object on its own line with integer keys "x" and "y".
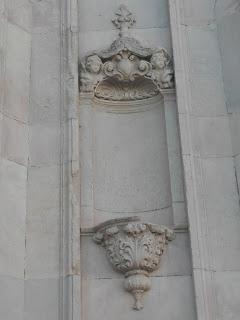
{"x": 166, "y": 299}
{"x": 17, "y": 83}
{"x": 14, "y": 141}
{"x": 99, "y": 40}
{"x": 211, "y": 136}
{"x": 176, "y": 172}
{"x": 219, "y": 203}
{"x": 128, "y": 150}
{"x": 45, "y": 15}
{"x": 204, "y": 52}
{"x": 185, "y": 138}
{"x": 13, "y": 179}
{"x": 229, "y": 41}
{"x": 160, "y": 216}
{"x": 227, "y": 288}
{"x": 153, "y": 14}
{"x": 198, "y": 12}
{"x": 237, "y": 169}
{"x": 226, "y": 8}
{"x": 12, "y": 298}
{"x": 43, "y": 187}
{"x": 176, "y": 261}
{"x": 235, "y": 132}
{"x": 42, "y": 299}
{"x": 45, "y": 81}
{"x": 19, "y": 13}
{"x": 207, "y": 97}
{"x": 42, "y": 243}
{"x": 179, "y": 214}
{"x": 172, "y": 127}
{"x": 44, "y": 144}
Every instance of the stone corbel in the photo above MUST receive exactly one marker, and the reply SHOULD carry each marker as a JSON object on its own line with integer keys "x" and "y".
{"x": 134, "y": 248}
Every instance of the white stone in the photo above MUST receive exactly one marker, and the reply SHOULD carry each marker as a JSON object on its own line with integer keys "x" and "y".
{"x": 41, "y": 299}
{"x": 211, "y": 136}
{"x": 161, "y": 216}
{"x": 227, "y": 294}
{"x": 44, "y": 144}
{"x": 20, "y": 14}
{"x": 229, "y": 27}
{"x": 12, "y": 298}
{"x": 45, "y": 68}
{"x": 149, "y": 15}
{"x": 42, "y": 243}
{"x": 212, "y": 102}
{"x": 128, "y": 164}
{"x": 43, "y": 187}
{"x": 150, "y": 37}
{"x": 222, "y": 208}
{"x": 16, "y": 102}
{"x": 235, "y": 132}
{"x": 15, "y": 141}
{"x": 136, "y": 182}
{"x": 13, "y": 179}
{"x": 204, "y": 52}
{"x": 161, "y": 302}
{"x": 176, "y": 261}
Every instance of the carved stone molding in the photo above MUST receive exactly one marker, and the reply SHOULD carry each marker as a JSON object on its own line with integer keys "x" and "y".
{"x": 126, "y": 61}
{"x": 134, "y": 248}
{"x": 115, "y": 90}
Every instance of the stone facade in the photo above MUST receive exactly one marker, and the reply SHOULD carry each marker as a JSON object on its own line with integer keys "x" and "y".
{"x": 119, "y": 121}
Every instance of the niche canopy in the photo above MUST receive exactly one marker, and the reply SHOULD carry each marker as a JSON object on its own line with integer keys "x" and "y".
{"x": 135, "y": 71}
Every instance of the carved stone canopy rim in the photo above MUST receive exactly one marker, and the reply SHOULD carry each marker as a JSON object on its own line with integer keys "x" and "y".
{"x": 126, "y": 60}
{"x": 134, "y": 248}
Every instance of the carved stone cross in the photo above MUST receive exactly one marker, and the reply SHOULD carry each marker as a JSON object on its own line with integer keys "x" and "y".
{"x": 124, "y": 20}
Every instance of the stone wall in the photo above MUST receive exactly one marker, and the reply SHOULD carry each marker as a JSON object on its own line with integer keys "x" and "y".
{"x": 30, "y": 159}
{"x": 15, "y": 55}
{"x": 228, "y": 24}
{"x": 211, "y": 189}
{"x": 40, "y": 272}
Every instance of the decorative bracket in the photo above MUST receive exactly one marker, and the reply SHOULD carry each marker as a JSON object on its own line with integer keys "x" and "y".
{"x": 134, "y": 248}
{"x": 125, "y": 62}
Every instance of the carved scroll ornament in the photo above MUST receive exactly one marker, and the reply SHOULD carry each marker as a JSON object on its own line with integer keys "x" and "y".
{"x": 127, "y": 60}
{"x": 134, "y": 249}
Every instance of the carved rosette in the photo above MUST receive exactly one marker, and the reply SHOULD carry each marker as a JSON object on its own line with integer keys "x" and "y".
{"x": 134, "y": 249}
{"x": 126, "y": 61}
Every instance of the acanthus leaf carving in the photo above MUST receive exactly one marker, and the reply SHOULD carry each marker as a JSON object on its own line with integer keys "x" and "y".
{"x": 134, "y": 249}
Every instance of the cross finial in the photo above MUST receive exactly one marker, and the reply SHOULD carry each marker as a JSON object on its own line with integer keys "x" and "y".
{"x": 124, "y": 20}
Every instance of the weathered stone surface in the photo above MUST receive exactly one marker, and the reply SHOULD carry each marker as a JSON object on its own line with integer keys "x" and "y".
{"x": 13, "y": 218}
{"x": 12, "y": 298}
{"x": 45, "y": 305}
{"x": 162, "y": 301}
{"x": 15, "y": 141}
{"x": 227, "y": 294}
{"x": 177, "y": 163}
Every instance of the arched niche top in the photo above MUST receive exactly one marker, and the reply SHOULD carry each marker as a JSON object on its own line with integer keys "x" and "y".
{"x": 113, "y": 89}
{"x": 128, "y": 67}
{"x": 128, "y": 106}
